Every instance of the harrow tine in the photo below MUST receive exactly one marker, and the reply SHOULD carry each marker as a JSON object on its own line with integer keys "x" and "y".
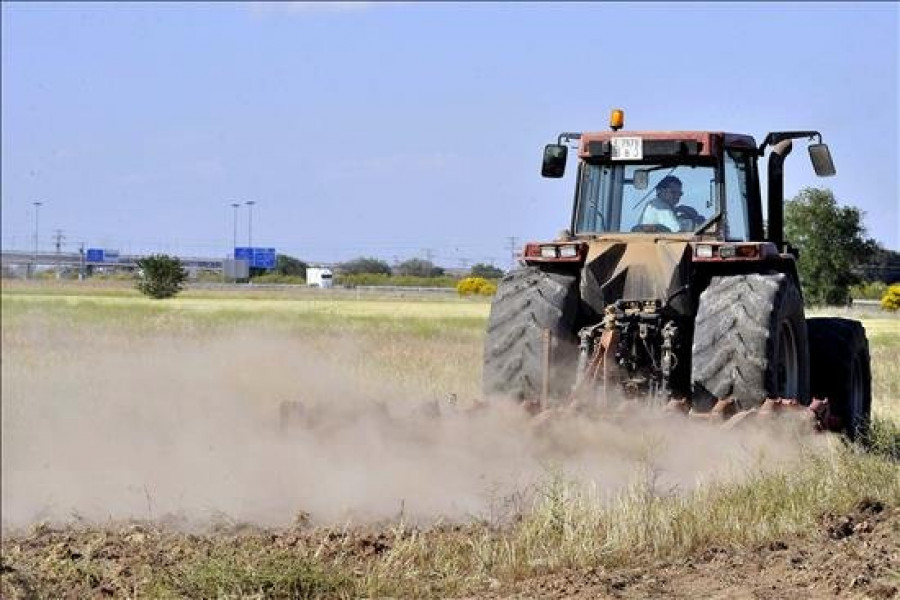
{"x": 723, "y": 410}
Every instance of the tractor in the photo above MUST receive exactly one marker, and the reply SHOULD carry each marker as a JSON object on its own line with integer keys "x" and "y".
{"x": 671, "y": 287}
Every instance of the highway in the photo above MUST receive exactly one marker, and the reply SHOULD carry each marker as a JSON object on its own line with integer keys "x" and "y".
{"x": 12, "y": 259}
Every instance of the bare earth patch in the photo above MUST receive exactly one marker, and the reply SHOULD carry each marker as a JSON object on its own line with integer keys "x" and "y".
{"x": 853, "y": 555}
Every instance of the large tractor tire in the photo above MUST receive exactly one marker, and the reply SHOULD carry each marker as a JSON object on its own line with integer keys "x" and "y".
{"x": 529, "y": 301}
{"x": 750, "y": 341}
{"x": 840, "y": 372}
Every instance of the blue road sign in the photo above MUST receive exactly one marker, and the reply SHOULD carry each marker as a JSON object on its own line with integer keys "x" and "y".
{"x": 258, "y": 258}
{"x": 263, "y": 258}
{"x": 95, "y": 255}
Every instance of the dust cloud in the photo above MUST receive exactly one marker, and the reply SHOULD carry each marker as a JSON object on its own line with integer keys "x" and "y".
{"x": 185, "y": 428}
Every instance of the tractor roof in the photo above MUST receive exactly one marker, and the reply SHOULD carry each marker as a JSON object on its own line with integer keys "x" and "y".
{"x": 708, "y": 141}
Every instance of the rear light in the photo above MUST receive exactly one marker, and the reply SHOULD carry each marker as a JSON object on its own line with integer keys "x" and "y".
{"x": 568, "y": 251}
{"x": 548, "y": 251}
{"x": 704, "y": 251}
{"x": 562, "y": 251}
{"x": 726, "y": 251}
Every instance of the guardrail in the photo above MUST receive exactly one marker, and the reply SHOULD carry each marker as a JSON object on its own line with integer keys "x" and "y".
{"x": 338, "y": 288}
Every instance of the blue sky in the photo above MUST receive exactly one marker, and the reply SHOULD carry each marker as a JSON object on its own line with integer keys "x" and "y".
{"x": 401, "y": 130}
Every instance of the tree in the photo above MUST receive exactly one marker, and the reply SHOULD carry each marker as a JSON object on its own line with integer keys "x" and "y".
{"x": 160, "y": 276}
{"x": 832, "y": 244}
{"x": 362, "y": 265}
{"x": 486, "y": 271}
{"x": 288, "y": 265}
{"x": 417, "y": 267}
{"x": 884, "y": 265}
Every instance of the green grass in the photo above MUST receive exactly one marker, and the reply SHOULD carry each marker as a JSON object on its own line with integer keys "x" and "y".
{"x": 213, "y": 314}
{"x": 226, "y": 572}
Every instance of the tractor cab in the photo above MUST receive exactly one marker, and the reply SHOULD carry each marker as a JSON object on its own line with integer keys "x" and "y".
{"x": 690, "y": 184}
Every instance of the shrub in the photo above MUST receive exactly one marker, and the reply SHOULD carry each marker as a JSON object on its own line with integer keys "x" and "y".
{"x": 417, "y": 267}
{"x": 891, "y": 299}
{"x": 160, "y": 276}
{"x": 476, "y": 286}
{"x": 486, "y": 271}
{"x": 362, "y": 265}
{"x": 290, "y": 266}
{"x": 872, "y": 290}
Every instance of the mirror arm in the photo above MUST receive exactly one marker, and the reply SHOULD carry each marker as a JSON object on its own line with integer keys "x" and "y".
{"x": 568, "y": 137}
{"x": 779, "y": 136}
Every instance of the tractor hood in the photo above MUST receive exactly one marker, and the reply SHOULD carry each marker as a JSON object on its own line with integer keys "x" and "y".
{"x": 641, "y": 268}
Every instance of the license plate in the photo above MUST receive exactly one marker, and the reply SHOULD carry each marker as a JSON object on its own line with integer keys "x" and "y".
{"x": 627, "y": 148}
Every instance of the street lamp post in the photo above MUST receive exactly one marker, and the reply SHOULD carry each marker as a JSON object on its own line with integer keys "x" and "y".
{"x": 235, "y": 206}
{"x": 250, "y": 204}
{"x": 37, "y": 211}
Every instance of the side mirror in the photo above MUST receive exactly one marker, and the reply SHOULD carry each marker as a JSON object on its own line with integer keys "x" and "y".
{"x": 554, "y": 160}
{"x": 821, "y": 160}
{"x": 641, "y": 179}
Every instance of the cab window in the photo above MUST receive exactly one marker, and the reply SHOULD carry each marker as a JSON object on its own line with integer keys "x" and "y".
{"x": 621, "y": 197}
{"x": 736, "y": 220}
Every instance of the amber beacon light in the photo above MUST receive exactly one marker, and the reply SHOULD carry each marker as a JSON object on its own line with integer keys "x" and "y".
{"x": 617, "y": 119}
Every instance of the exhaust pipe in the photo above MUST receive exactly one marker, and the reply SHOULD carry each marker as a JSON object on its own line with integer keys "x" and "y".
{"x": 775, "y": 228}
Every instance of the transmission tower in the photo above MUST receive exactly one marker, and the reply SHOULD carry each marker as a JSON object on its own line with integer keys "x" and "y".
{"x": 58, "y": 238}
{"x": 513, "y": 243}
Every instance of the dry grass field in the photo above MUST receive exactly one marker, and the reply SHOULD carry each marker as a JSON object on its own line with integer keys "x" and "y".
{"x": 142, "y": 457}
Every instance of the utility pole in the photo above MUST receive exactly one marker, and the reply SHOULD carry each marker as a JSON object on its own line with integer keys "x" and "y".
{"x": 513, "y": 242}
{"x": 59, "y": 237}
{"x": 37, "y": 212}
{"x": 81, "y": 271}
{"x": 250, "y": 204}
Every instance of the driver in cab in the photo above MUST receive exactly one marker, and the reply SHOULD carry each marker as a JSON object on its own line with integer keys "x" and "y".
{"x": 663, "y": 212}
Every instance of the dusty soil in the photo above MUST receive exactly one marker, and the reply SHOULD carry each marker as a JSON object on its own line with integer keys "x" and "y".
{"x": 855, "y": 555}
{"x": 852, "y": 556}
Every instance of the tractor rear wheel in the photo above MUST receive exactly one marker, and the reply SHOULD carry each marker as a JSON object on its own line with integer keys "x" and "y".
{"x": 529, "y": 301}
{"x": 750, "y": 341}
{"x": 840, "y": 371}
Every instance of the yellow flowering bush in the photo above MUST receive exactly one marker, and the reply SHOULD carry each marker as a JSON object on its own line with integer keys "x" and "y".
{"x": 476, "y": 286}
{"x": 891, "y": 299}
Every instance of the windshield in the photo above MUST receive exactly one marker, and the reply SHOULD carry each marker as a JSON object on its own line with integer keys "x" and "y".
{"x": 645, "y": 197}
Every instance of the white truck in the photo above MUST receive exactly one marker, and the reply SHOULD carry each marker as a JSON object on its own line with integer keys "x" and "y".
{"x": 319, "y": 277}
